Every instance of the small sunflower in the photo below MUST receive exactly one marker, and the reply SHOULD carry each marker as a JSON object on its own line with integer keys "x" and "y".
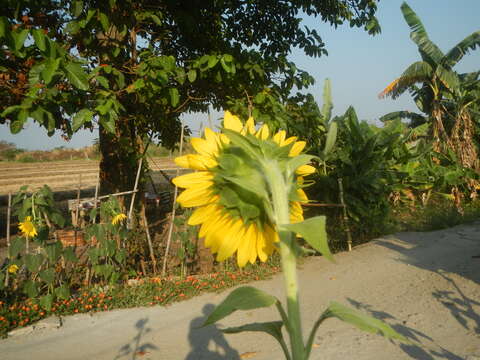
{"x": 118, "y": 218}
{"x": 12, "y": 269}
{"x": 234, "y": 217}
{"x": 27, "y": 227}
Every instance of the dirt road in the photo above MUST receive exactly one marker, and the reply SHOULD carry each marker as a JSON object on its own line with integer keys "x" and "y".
{"x": 426, "y": 285}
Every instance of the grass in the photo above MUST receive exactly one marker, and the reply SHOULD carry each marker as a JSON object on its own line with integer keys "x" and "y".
{"x": 436, "y": 215}
{"x": 140, "y": 292}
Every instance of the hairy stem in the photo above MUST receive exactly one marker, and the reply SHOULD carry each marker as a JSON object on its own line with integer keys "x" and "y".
{"x": 279, "y": 191}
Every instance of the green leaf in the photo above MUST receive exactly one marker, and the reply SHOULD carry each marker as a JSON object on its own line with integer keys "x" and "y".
{"x": 243, "y": 298}
{"x": 212, "y": 61}
{"x": 62, "y": 292}
{"x": 33, "y": 262}
{"x": 103, "y": 81}
{"x": 4, "y": 26}
{"x": 104, "y": 21}
{"x": 93, "y": 254}
{"x": 174, "y": 96}
{"x": 273, "y": 328}
{"x": 47, "y": 275}
{"x": 361, "y": 321}
{"x": 69, "y": 255}
{"x": 16, "y": 126}
{"x": 225, "y": 66}
{"x": 192, "y": 75}
{"x": 331, "y": 137}
{"x": 19, "y": 38}
{"x": 259, "y": 98}
{"x": 313, "y": 231}
{"x": 46, "y": 302}
{"x": 77, "y": 76}
{"x": 108, "y": 124}
{"x": 54, "y": 251}
{"x": 17, "y": 245}
{"x": 138, "y": 84}
{"x": 39, "y": 38}
{"x": 30, "y": 288}
{"x": 76, "y": 8}
{"x": 51, "y": 65}
{"x": 156, "y": 19}
{"x": 81, "y": 118}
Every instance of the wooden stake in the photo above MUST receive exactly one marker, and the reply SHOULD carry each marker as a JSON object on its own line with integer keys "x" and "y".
{"x": 97, "y": 185}
{"x": 345, "y": 216}
{"x": 77, "y": 209}
{"x": 129, "y": 220}
{"x": 170, "y": 230}
{"x": 9, "y": 210}
{"x": 150, "y": 246}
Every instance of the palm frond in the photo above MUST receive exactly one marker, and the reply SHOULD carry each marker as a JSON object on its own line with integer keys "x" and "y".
{"x": 471, "y": 42}
{"x": 419, "y": 35}
{"x": 418, "y": 72}
{"x": 449, "y": 78}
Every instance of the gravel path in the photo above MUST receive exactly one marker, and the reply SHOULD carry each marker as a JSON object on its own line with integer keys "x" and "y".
{"x": 426, "y": 285}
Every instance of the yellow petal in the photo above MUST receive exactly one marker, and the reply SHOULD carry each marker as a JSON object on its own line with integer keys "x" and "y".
{"x": 215, "y": 233}
{"x": 232, "y": 238}
{"x": 262, "y": 246}
{"x": 202, "y": 214}
{"x": 232, "y": 122}
{"x": 196, "y": 196}
{"x": 288, "y": 141}
{"x": 279, "y": 137}
{"x": 204, "y": 147}
{"x": 215, "y": 217}
{"x": 263, "y": 133}
{"x": 196, "y": 162}
{"x": 305, "y": 170}
{"x": 246, "y": 249}
{"x": 250, "y": 125}
{"x": 296, "y": 212}
{"x": 224, "y": 139}
{"x": 301, "y": 194}
{"x": 198, "y": 178}
{"x": 297, "y": 148}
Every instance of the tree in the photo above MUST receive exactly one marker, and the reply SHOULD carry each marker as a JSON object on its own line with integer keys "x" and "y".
{"x": 132, "y": 67}
{"x": 440, "y": 91}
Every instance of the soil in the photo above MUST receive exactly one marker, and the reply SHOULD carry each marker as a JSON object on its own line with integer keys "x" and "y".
{"x": 425, "y": 285}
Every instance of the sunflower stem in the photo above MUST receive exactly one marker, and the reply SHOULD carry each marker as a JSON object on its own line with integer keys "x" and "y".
{"x": 279, "y": 190}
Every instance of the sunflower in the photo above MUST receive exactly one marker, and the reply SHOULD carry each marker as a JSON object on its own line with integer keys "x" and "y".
{"x": 118, "y": 218}
{"x": 27, "y": 227}
{"x": 12, "y": 269}
{"x": 230, "y": 192}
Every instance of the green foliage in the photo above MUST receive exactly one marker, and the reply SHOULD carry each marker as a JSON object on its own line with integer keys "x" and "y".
{"x": 117, "y": 65}
{"x": 107, "y": 259}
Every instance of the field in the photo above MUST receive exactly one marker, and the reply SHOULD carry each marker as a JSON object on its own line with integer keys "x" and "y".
{"x": 63, "y": 175}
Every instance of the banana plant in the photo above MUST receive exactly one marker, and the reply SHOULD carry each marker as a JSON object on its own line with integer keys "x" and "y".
{"x": 433, "y": 83}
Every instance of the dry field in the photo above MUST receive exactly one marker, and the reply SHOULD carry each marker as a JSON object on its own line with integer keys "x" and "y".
{"x": 61, "y": 175}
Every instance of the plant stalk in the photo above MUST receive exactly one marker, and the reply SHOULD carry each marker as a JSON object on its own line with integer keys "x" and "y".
{"x": 280, "y": 190}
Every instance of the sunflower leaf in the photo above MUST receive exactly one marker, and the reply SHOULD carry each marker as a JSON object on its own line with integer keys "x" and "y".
{"x": 243, "y": 298}
{"x": 313, "y": 231}
{"x": 273, "y": 328}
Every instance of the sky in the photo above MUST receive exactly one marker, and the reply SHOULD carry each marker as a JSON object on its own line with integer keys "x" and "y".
{"x": 359, "y": 66}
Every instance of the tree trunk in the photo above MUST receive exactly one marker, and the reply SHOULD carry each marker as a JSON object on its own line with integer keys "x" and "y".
{"x": 120, "y": 154}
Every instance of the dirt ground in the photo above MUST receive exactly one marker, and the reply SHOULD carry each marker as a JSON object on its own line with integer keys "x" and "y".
{"x": 426, "y": 285}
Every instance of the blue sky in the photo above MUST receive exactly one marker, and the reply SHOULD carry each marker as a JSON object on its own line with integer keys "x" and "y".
{"x": 359, "y": 65}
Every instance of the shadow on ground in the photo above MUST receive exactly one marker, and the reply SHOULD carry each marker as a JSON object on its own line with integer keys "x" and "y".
{"x": 208, "y": 343}
{"x": 135, "y": 349}
{"x": 417, "y": 349}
